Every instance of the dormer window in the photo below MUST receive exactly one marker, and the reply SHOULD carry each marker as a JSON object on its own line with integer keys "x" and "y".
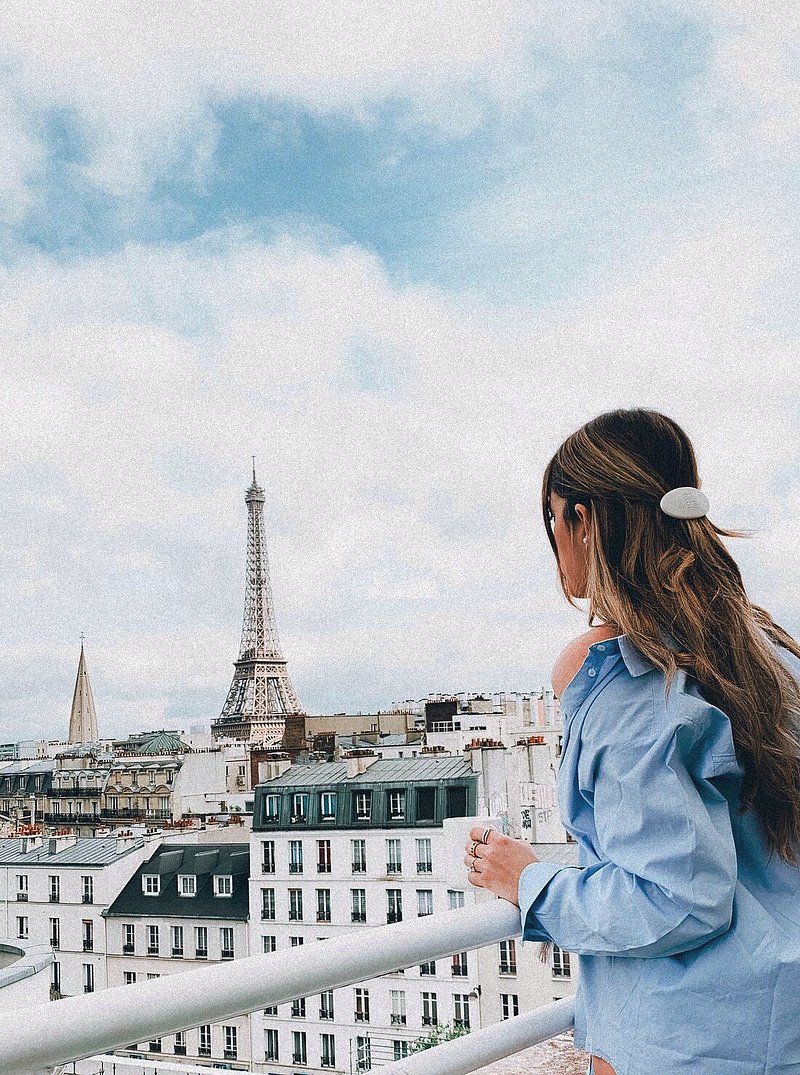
{"x": 151, "y": 884}
{"x": 272, "y": 807}
{"x": 363, "y": 805}
{"x": 397, "y": 805}
{"x": 223, "y": 884}
{"x": 187, "y": 884}
{"x": 299, "y": 806}
{"x": 327, "y": 805}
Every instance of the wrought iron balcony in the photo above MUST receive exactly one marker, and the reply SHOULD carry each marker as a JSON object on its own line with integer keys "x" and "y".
{"x": 97, "y": 1023}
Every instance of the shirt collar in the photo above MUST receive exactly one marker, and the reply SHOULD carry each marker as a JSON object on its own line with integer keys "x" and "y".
{"x": 635, "y": 662}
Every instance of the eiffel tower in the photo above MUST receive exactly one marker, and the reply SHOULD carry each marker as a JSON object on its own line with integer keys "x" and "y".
{"x": 261, "y": 696}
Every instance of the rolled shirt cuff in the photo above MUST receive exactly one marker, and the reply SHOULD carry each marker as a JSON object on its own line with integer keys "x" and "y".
{"x": 533, "y": 880}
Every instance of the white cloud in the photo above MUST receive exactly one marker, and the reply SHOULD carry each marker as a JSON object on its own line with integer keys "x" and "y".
{"x": 406, "y": 546}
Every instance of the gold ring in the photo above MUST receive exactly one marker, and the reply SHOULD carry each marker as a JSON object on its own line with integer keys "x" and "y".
{"x": 485, "y": 838}
{"x": 472, "y": 848}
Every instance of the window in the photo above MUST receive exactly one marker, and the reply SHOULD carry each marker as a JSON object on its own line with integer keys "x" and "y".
{"x": 362, "y": 1005}
{"x": 363, "y": 1054}
{"x": 128, "y": 939}
{"x": 509, "y": 1002}
{"x": 270, "y": 1044}
{"x": 299, "y": 807}
{"x": 323, "y": 856}
{"x": 326, "y": 1004}
{"x": 461, "y": 1010}
{"x": 456, "y": 802}
{"x": 268, "y": 856}
{"x": 359, "y": 911}
{"x": 508, "y": 957}
{"x": 458, "y": 967}
{"x": 401, "y": 1049}
{"x": 398, "y": 999}
{"x": 455, "y": 899}
{"x": 201, "y": 942}
{"x": 295, "y": 905}
{"x": 87, "y": 889}
{"x": 177, "y": 941}
{"x": 424, "y": 863}
{"x": 223, "y": 884}
{"x": 430, "y": 1010}
{"x": 397, "y": 805}
{"x": 269, "y": 944}
{"x": 323, "y": 905}
{"x": 271, "y": 1009}
{"x": 230, "y": 1043}
{"x": 299, "y": 1054}
{"x": 362, "y": 804}
{"x": 299, "y": 1008}
{"x": 424, "y": 901}
{"x": 155, "y": 1045}
{"x": 22, "y": 927}
{"x": 295, "y": 856}
{"x": 129, "y": 977}
{"x": 204, "y": 1044}
{"x": 226, "y": 942}
{"x": 113, "y": 802}
{"x": 152, "y": 940}
{"x": 394, "y": 909}
{"x": 272, "y": 805}
{"x": 327, "y": 805}
{"x": 295, "y": 942}
{"x": 22, "y": 887}
{"x": 426, "y": 804}
{"x": 560, "y": 963}
{"x": 359, "y": 860}
{"x": 55, "y": 888}
{"x": 55, "y": 977}
{"x": 187, "y": 884}
{"x": 394, "y": 863}
{"x": 427, "y": 969}
{"x": 55, "y": 932}
{"x": 327, "y": 1051}
{"x": 180, "y": 1043}
{"x": 87, "y": 926}
{"x": 151, "y": 884}
{"x": 88, "y": 978}
{"x": 268, "y": 904}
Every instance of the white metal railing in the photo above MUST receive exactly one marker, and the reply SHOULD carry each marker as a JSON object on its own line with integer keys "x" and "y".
{"x": 34, "y": 1041}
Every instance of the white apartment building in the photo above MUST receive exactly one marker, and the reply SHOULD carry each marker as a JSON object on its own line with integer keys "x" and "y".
{"x": 184, "y": 907}
{"x": 346, "y": 845}
{"x": 54, "y": 891}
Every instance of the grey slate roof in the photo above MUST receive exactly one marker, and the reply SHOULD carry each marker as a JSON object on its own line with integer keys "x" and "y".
{"x": 202, "y": 860}
{"x": 384, "y": 770}
{"x": 92, "y": 851}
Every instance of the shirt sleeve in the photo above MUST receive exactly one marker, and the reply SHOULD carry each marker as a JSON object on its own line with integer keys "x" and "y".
{"x": 667, "y": 871}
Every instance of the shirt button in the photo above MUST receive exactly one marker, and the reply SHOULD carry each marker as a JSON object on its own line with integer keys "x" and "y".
{"x": 601, "y": 648}
{"x": 592, "y": 672}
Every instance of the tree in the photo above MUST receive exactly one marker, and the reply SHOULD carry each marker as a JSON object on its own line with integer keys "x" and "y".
{"x": 437, "y": 1035}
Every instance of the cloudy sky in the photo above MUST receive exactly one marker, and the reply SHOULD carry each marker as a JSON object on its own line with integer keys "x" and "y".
{"x": 397, "y": 251}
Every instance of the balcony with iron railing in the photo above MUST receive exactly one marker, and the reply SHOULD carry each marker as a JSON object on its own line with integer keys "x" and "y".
{"x": 94, "y": 1024}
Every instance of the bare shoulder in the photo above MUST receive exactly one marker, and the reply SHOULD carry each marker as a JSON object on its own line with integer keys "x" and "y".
{"x": 572, "y": 656}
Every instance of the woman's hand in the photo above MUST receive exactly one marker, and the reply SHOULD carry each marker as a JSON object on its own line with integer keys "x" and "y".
{"x": 497, "y": 862}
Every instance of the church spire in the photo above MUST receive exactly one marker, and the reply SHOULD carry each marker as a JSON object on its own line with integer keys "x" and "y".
{"x": 83, "y": 718}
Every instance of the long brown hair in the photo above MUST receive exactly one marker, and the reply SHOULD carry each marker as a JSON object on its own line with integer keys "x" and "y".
{"x": 649, "y": 573}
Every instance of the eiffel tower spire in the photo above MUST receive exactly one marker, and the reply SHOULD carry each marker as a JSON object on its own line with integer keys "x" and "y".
{"x": 83, "y": 718}
{"x": 261, "y": 695}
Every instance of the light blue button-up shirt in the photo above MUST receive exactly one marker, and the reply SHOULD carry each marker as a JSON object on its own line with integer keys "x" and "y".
{"x": 687, "y": 934}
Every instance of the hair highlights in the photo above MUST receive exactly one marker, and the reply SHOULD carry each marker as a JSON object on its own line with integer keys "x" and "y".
{"x": 650, "y": 574}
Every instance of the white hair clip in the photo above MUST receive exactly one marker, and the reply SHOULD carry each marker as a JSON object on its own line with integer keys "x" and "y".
{"x": 685, "y": 502}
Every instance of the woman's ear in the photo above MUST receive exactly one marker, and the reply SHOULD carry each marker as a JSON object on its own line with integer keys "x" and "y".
{"x": 584, "y": 515}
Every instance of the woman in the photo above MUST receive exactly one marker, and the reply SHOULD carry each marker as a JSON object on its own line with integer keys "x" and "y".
{"x": 679, "y": 776}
